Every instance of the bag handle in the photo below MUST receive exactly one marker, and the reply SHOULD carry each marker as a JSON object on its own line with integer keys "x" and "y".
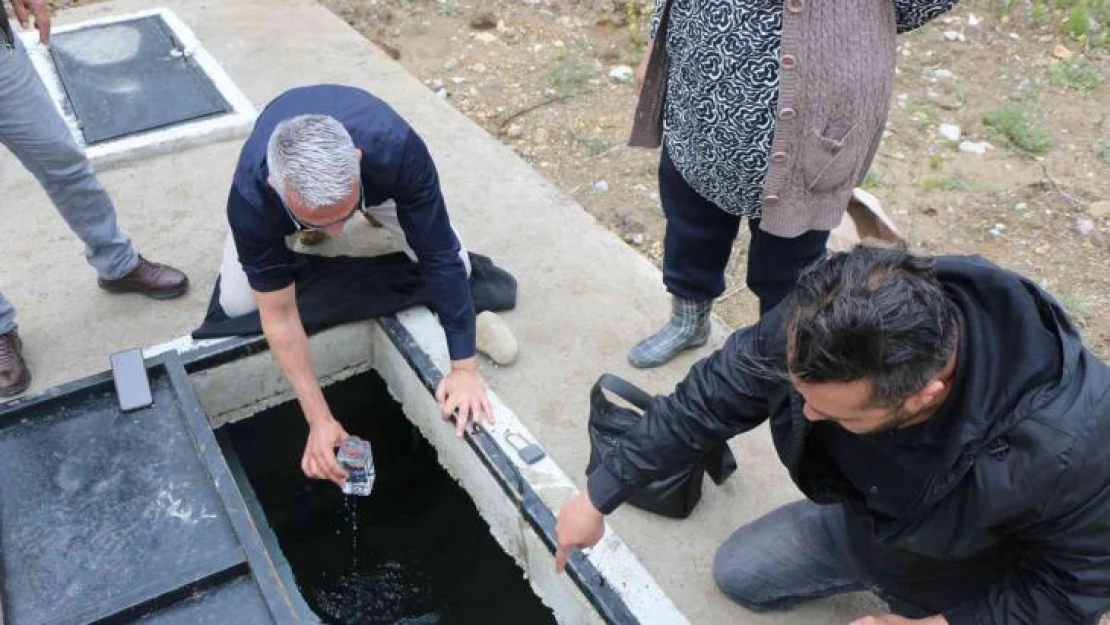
{"x": 626, "y": 390}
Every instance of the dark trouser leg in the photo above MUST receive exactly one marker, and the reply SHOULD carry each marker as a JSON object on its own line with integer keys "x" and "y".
{"x": 698, "y": 240}
{"x": 695, "y": 252}
{"x": 774, "y": 263}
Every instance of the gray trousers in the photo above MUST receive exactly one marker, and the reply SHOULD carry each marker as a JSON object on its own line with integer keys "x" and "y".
{"x": 32, "y": 129}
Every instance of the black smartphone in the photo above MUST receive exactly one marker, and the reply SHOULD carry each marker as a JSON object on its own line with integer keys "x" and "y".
{"x": 132, "y": 382}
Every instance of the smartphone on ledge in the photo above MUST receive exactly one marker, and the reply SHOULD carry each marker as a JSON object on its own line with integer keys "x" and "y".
{"x": 132, "y": 382}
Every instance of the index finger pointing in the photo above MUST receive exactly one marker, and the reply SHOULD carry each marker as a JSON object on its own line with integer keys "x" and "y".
{"x": 561, "y": 559}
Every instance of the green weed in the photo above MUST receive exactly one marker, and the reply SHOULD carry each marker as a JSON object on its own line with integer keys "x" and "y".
{"x": 1012, "y": 122}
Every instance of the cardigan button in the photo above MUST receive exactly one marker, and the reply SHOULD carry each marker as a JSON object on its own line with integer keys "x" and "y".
{"x": 795, "y": 6}
{"x": 778, "y": 157}
{"x": 789, "y": 61}
{"x": 787, "y": 113}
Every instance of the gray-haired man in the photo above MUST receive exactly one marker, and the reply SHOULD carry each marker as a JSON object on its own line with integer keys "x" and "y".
{"x": 318, "y": 155}
{"x": 32, "y": 129}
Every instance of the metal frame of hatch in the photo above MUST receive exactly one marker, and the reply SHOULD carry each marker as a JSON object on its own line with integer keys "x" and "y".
{"x": 68, "y": 79}
{"x": 236, "y": 123}
{"x": 252, "y": 559}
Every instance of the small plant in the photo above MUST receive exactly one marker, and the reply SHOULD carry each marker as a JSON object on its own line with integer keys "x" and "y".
{"x": 1075, "y": 75}
{"x": 639, "y": 15}
{"x": 1103, "y": 152}
{"x": 936, "y": 161}
{"x": 1079, "y": 20}
{"x": 1012, "y": 122}
{"x": 1039, "y": 12}
{"x": 953, "y": 183}
{"x": 873, "y": 180}
{"x": 943, "y": 183}
{"x": 571, "y": 75}
{"x": 448, "y": 8}
{"x": 961, "y": 93}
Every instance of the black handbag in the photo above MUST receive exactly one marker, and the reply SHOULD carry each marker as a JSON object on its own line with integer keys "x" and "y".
{"x": 674, "y": 496}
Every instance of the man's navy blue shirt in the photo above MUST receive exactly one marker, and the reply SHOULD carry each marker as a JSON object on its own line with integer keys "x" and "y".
{"x": 395, "y": 166}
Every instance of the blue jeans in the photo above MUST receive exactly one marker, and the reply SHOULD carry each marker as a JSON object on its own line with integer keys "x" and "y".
{"x": 806, "y": 551}
{"x": 698, "y": 243}
{"x": 32, "y": 129}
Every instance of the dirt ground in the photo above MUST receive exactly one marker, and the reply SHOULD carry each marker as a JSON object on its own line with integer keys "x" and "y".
{"x": 544, "y": 76}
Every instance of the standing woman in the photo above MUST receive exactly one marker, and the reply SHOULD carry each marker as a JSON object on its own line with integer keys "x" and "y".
{"x": 769, "y": 110}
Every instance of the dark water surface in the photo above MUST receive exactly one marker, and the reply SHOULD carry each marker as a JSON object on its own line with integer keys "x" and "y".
{"x": 420, "y": 555}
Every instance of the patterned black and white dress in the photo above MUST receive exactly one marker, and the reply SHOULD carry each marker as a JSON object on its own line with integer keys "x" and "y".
{"x": 722, "y": 91}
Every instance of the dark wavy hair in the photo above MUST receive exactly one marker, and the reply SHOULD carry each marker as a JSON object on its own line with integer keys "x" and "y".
{"x": 872, "y": 313}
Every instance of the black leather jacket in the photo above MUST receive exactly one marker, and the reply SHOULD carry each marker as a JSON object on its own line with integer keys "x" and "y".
{"x": 1025, "y": 474}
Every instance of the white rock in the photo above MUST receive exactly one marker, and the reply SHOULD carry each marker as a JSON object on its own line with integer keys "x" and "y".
{"x": 621, "y": 73}
{"x": 973, "y": 20}
{"x": 950, "y": 132}
{"x": 451, "y": 65}
{"x": 943, "y": 74}
{"x": 1015, "y": 36}
{"x": 1021, "y": 206}
{"x": 601, "y": 186}
{"x": 442, "y": 94}
{"x": 975, "y": 147}
{"x": 485, "y": 37}
{"x": 1085, "y": 226}
{"x": 951, "y": 35}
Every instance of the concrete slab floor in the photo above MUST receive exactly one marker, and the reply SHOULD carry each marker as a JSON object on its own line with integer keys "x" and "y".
{"x": 585, "y": 297}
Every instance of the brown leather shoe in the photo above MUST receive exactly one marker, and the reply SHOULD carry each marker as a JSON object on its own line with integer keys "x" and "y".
{"x": 151, "y": 279}
{"x": 15, "y": 377}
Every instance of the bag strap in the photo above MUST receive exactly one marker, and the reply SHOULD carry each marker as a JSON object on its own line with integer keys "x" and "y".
{"x": 626, "y": 390}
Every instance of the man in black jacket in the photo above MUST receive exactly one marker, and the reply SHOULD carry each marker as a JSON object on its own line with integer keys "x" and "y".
{"x": 943, "y": 419}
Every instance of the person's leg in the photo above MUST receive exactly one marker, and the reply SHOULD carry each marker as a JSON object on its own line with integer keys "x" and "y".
{"x": 236, "y": 295}
{"x": 774, "y": 263}
{"x": 386, "y": 216}
{"x": 7, "y": 315}
{"x": 493, "y": 336}
{"x": 800, "y": 551}
{"x": 38, "y": 136}
{"x": 15, "y": 377}
{"x": 696, "y": 247}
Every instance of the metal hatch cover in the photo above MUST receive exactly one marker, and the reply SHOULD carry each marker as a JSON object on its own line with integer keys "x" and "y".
{"x": 132, "y": 76}
{"x": 108, "y": 516}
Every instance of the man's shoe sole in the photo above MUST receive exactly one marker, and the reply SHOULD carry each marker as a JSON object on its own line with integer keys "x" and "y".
{"x": 159, "y": 295}
{"x": 18, "y": 387}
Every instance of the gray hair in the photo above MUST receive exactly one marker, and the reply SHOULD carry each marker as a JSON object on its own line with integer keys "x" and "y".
{"x": 314, "y": 157}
